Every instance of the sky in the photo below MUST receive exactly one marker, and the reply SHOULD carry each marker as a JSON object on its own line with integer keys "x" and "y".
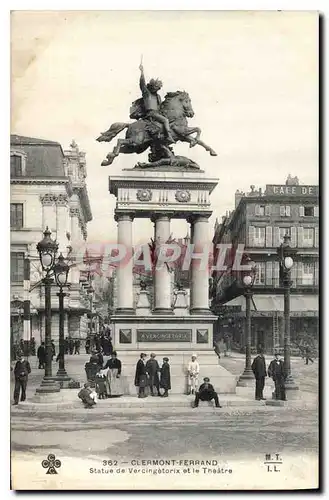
{"x": 252, "y": 78}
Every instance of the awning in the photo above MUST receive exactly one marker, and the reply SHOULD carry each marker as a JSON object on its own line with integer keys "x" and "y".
{"x": 272, "y": 303}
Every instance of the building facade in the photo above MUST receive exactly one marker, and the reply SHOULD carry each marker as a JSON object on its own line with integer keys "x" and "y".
{"x": 258, "y": 223}
{"x": 48, "y": 188}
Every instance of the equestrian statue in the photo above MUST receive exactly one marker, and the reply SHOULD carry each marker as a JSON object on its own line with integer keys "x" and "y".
{"x": 158, "y": 125}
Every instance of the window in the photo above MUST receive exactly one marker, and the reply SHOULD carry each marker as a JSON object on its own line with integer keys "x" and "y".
{"x": 308, "y": 236}
{"x": 260, "y": 210}
{"x": 16, "y": 166}
{"x": 285, "y": 210}
{"x": 308, "y": 273}
{"x": 260, "y": 273}
{"x": 16, "y": 266}
{"x": 267, "y": 209}
{"x": 308, "y": 211}
{"x": 16, "y": 215}
{"x": 282, "y": 232}
{"x": 259, "y": 236}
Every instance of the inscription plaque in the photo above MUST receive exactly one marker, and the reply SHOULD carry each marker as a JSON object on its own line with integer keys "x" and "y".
{"x": 164, "y": 335}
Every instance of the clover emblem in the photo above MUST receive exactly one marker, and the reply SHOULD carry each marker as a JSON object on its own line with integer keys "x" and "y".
{"x": 51, "y": 463}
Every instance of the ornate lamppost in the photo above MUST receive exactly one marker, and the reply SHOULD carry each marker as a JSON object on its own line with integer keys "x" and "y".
{"x": 285, "y": 255}
{"x": 248, "y": 281}
{"x": 61, "y": 271}
{"x": 47, "y": 249}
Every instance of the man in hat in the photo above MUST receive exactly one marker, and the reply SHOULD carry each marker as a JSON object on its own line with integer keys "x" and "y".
{"x": 21, "y": 372}
{"x": 153, "y": 368}
{"x": 277, "y": 373}
{"x": 41, "y": 353}
{"x": 259, "y": 368}
{"x": 141, "y": 378}
{"x": 152, "y": 102}
{"x": 206, "y": 393}
{"x": 193, "y": 370}
{"x": 165, "y": 382}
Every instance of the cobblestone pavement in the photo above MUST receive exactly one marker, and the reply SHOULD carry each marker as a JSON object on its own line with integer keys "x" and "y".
{"x": 237, "y": 438}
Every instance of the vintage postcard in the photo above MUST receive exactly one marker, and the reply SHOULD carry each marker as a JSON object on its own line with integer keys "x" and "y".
{"x": 164, "y": 250}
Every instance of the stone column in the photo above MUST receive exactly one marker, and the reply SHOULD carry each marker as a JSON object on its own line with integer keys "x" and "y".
{"x": 162, "y": 281}
{"x": 199, "y": 296}
{"x": 75, "y": 241}
{"x": 62, "y": 223}
{"x": 125, "y": 267}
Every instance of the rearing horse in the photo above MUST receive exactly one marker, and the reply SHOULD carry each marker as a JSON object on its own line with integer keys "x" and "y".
{"x": 143, "y": 133}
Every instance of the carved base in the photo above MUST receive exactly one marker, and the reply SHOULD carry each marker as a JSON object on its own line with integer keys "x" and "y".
{"x": 48, "y": 385}
{"x": 200, "y": 310}
{"x": 125, "y": 310}
{"x": 162, "y": 310}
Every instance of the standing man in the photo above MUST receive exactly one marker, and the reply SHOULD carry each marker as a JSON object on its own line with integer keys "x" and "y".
{"x": 259, "y": 368}
{"x": 141, "y": 376}
{"x": 193, "y": 370}
{"x": 152, "y": 368}
{"x": 276, "y": 372}
{"x": 206, "y": 393}
{"x": 41, "y": 354}
{"x": 165, "y": 382}
{"x": 21, "y": 372}
{"x": 307, "y": 355}
{"x": 77, "y": 347}
{"x": 152, "y": 102}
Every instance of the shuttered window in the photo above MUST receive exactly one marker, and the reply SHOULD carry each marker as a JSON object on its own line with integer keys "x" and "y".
{"x": 251, "y": 236}
{"x": 259, "y": 237}
{"x": 276, "y": 237}
{"x": 316, "y": 237}
{"x": 316, "y": 211}
{"x": 269, "y": 239}
{"x": 260, "y": 273}
{"x": 276, "y": 274}
{"x": 308, "y": 236}
{"x": 269, "y": 273}
{"x": 16, "y": 215}
{"x": 301, "y": 211}
{"x": 16, "y": 167}
{"x": 267, "y": 209}
{"x": 17, "y": 266}
{"x": 293, "y": 236}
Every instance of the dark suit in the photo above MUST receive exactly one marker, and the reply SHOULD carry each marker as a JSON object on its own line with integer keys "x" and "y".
{"x": 141, "y": 378}
{"x": 276, "y": 371}
{"x": 152, "y": 368}
{"x": 206, "y": 393}
{"x": 259, "y": 368}
{"x": 165, "y": 382}
{"x": 21, "y": 372}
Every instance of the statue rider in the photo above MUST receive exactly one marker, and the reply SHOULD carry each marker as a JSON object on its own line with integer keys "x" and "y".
{"x": 152, "y": 101}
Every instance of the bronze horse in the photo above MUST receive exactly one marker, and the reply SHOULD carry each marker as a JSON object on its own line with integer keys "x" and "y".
{"x": 143, "y": 133}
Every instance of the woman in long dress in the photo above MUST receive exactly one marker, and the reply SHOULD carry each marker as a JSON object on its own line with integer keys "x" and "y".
{"x": 113, "y": 376}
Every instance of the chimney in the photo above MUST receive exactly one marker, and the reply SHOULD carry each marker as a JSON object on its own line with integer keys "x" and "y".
{"x": 238, "y": 196}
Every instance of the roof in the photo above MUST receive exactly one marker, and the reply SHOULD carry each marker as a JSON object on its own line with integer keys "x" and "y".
{"x": 44, "y": 158}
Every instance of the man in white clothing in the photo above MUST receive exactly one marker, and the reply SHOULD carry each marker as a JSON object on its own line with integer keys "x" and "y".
{"x": 193, "y": 373}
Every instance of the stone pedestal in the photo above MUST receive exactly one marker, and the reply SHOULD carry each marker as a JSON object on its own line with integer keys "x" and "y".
{"x": 162, "y": 195}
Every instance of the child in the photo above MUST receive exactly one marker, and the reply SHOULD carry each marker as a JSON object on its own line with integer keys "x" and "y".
{"x": 165, "y": 377}
{"x": 87, "y": 396}
{"x": 100, "y": 381}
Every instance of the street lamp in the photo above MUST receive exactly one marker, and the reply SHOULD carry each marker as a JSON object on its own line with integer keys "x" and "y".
{"x": 47, "y": 249}
{"x": 61, "y": 271}
{"x": 285, "y": 255}
{"x": 248, "y": 281}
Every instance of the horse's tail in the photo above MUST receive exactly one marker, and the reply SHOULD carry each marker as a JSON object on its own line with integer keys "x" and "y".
{"x": 114, "y": 130}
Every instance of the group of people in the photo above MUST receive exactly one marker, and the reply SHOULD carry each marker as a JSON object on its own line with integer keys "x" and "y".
{"x": 149, "y": 375}
{"x": 71, "y": 346}
{"x": 275, "y": 371}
